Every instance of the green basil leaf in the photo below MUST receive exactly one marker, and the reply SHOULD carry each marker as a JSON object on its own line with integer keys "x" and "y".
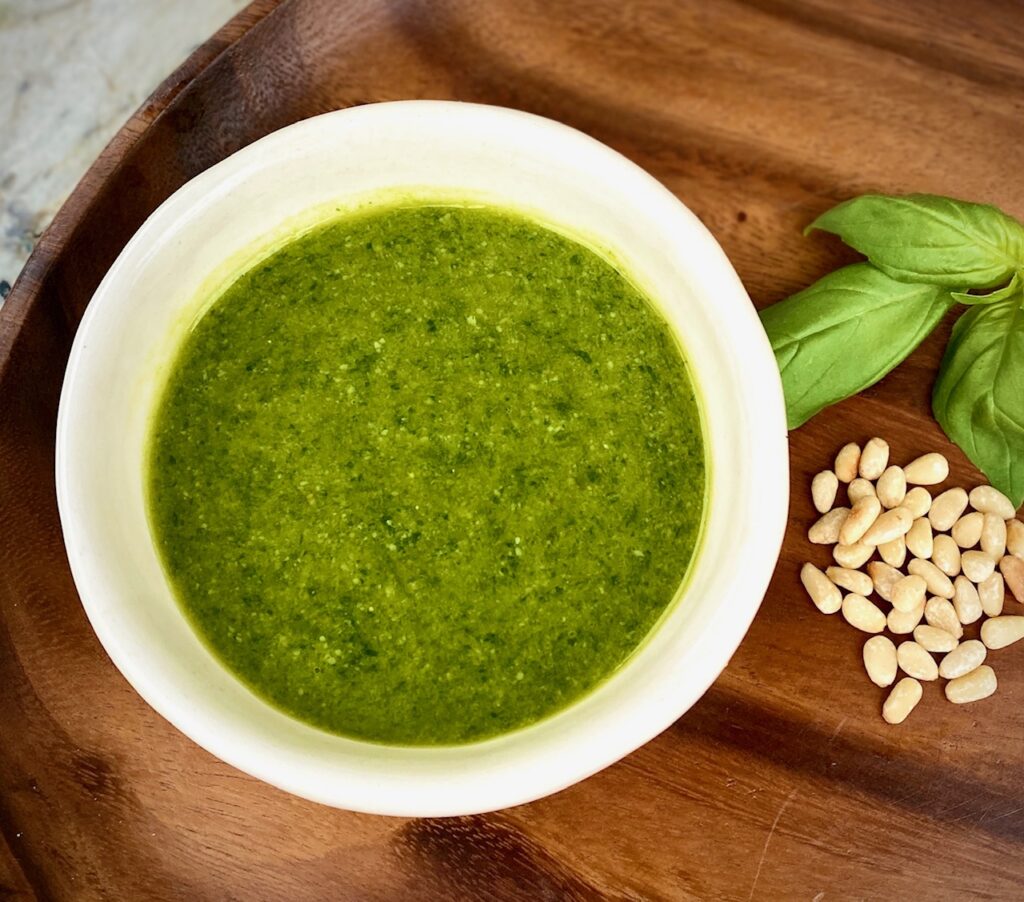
{"x": 926, "y": 238}
{"x": 1000, "y": 294}
{"x": 979, "y": 396}
{"x": 845, "y": 333}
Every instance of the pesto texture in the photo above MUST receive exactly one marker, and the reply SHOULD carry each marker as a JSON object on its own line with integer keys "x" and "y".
{"x": 428, "y": 474}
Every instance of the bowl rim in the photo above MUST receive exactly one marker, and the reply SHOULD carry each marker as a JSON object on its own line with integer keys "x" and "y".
{"x": 771, "y": 464}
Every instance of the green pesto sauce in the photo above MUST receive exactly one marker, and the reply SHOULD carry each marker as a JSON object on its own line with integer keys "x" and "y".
{"x": 428, "y": 474}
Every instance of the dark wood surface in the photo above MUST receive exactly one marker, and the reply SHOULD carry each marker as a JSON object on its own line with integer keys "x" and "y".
{"x": 782, "y": 782}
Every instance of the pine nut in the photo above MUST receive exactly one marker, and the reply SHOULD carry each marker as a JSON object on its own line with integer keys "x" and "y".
{"x": 908, "y": 593}
{"x": 993, "y": 536}
{"x": 902, "y": 700}
{"x": 946, "y": 555}
{"x": 967, "y": 656}
{"x": 884, "y": 578}
{"x": 998, "y": 632}
{"x": 894, "y": 553}
{"x": 859, "y": 488}
{"x": 862, "y": 614}
{"x": 916, "y": 662}
{"x": 852, "y": 556}
{"x": 977, "y": 565}
{"x": 919, "y": 538}
{"x": 992, "y": 593}
{"x": 880, "y": 660}
{"x": 852, "y": 580}
{"x": 824, "y": 593}
{"x": 862, "y": 515}
{"x": 931, "y": 638}
{"x": 1015, "y": 537}
{"x": 966, "y": 601}
{"x": 847, "y": 462}
{"x": 901, "y": 623}
{"x": 1013, "y": 572}
{"x": 942, "y": 615}
{"x": 947, "y": 508}
{"x": 967, "y": 530}
{"x": 972, "y": 687}
{"x": 918, "y": 501}
{"x": 892, "y": 487}
{"x": 937, "y": 581}
{"x": 988, "y": 500}
{"x": 823, "y": 491}
{"x": 890, "y": 525}
{"x": 929, "y": 469}
{"x": 873, "y": 458}
{"x": 826, "y": 528}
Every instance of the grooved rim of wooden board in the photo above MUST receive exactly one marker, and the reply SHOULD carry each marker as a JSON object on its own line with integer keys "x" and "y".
{"x": 783, "y": 781}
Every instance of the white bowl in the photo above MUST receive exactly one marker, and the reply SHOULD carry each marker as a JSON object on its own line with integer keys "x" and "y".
{"x": 231, "y": 215}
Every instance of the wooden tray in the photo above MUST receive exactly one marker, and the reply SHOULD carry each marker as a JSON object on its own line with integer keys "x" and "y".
{"x": 783, "y": 782}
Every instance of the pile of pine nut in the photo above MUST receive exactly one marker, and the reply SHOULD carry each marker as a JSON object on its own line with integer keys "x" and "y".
{"x": 946, "y": 561}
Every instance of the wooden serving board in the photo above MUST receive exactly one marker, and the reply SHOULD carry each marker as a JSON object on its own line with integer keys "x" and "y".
{"x": 783, "y": 782}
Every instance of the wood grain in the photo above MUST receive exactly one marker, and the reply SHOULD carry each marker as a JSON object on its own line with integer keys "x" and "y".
{"x": 782, "y": 782}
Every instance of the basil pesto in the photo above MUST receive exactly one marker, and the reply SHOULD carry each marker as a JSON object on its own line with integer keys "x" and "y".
{"x": 427, "y": 474}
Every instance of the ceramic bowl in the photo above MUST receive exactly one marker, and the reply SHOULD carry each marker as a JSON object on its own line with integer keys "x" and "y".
{"x": 229, "y": 216}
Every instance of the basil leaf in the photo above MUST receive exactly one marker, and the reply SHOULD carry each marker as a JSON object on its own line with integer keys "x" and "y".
{"x": 845, "y": 333}
{"x": 1000, "y": 294}
{"x": 979, "y": 396}
{"x": 926, "y": 238}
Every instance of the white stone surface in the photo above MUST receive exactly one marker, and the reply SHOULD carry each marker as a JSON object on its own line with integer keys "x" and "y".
{"x": 71, "y": 73}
